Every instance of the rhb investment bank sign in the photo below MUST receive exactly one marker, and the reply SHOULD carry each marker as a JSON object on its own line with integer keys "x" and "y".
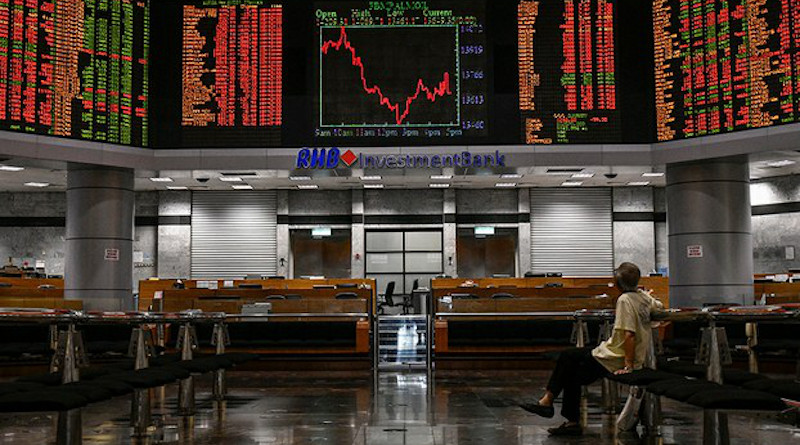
{"x": 331, "y": 158}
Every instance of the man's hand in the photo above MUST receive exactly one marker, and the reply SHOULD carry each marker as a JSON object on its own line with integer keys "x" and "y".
{"x": 625, "y": 370}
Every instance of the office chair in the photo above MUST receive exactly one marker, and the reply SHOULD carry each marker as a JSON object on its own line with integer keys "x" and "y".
{"x": 415, "y": 286}
{"x": 388, "y": 301}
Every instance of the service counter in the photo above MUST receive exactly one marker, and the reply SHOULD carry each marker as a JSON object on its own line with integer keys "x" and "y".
{"x": 317, "y": 288}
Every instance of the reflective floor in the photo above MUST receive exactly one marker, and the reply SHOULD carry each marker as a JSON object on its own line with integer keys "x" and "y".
{"x": 476, "y": 407}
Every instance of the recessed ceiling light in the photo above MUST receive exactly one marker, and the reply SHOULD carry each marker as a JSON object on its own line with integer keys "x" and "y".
{"x": 371, "y": 178}
{"x": 308, "y": 187}
{"x": 242, "y": 187}
{"x": 782, "y": 163}
{"x": 11, "y": 168}
{"x": 230, "y": 179}
{"x": 161, "y": 179}
{"x": 442, "y": 177}
{"x": 571, "y": 184}
{"x": 373, "y": 186}
{"x": 177, "y": 187}
{"x": 511, "y": 176}
{"x": 583, "y": 175}
{"x": 37, "y": 184}
{"x": 652, "y": 175}
{"x": 506, "y": 184}
{"x": 439, "y": 186}
{"x": 300, "y": 178}
{"x": 639, "y": 183}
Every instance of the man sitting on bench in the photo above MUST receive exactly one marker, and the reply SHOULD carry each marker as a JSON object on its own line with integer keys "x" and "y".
{"x": 624, "y": 352}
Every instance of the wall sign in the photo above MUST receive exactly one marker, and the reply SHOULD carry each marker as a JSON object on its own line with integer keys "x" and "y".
{"x": 694, "y": 251}
{"x": 112, "y": 255}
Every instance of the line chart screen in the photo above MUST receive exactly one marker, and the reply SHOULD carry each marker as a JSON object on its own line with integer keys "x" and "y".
{"x": 401, "y": 69}
{"x": 567, "y": 71}
{"x": 232, "y": 73}
{"x": 723, "y": 66}
{"x": 76, "y": 68}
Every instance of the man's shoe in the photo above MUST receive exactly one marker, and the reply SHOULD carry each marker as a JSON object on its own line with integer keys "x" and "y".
{"x": 566, "y": 429}
{"x": 539, "y": 410}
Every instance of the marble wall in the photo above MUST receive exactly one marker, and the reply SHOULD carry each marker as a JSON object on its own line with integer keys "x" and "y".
{"x": 319, "y": 202}
{"x": 486, "y": 201}
{"x": 29, "y": 244}
{"x": 635, "y": 241}
{"x": 403, "y": 202}
{"x": 776, "y": 236}
{"x": 166, "y": 249}
{"x": 174, "y": 241}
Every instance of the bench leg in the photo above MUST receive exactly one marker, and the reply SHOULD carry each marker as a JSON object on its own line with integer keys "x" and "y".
{"x": 651, "y": 414}
{"x": 220, "y": 388}
{"x": 186, "y": 397}
{"x": 715, "y": 428}
{"x": 69, "y": 431}
{"x": 610, "y": 398}
{"x": 140, "y": 412}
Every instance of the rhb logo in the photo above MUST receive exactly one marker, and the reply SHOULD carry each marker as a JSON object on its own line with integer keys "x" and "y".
{"x": 324, "y": 158}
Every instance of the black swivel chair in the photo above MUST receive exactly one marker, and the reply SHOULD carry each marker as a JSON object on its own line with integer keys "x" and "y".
{"x": 388, "y": 300}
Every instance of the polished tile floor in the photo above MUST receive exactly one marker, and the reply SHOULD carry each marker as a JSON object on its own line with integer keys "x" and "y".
{"x": 475, "y": 407}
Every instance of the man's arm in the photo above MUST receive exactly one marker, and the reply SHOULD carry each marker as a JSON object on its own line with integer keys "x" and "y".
{"x": 630, "y": 352}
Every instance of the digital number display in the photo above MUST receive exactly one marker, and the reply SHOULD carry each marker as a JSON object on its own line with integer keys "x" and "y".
{"x": 567, "y": 71}
{"x": 400, "y": 69}
{"x": 75, "y": 68}
{"x": 725, "y": 65}
{"x": 232, "y": 73}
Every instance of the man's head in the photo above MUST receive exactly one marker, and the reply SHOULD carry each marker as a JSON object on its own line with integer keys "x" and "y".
{"x": 627, "y": 277}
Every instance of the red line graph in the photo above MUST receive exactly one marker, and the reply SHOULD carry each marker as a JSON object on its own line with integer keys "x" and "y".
{"x": 442, "y": 89}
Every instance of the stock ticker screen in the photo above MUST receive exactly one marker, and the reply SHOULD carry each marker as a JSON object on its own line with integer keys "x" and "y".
{"x": 232, "y": 72}
{"x": 76, "y": 68}
{"x": 568, "y": 71}
{"x": 401, "y": 69}
{"x": 723, "y": 66}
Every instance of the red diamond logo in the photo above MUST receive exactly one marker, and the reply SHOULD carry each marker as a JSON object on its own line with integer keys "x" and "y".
{"x": 349, "y": 158}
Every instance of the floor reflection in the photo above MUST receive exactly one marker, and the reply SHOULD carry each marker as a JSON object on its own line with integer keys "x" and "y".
{"x": 350, "y": 408}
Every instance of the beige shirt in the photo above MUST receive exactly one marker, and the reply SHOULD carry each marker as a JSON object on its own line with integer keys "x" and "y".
{"x": 632, "y": 314}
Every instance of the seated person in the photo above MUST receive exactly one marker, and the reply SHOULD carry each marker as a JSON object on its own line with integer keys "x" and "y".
{"x": 624, "y": 352}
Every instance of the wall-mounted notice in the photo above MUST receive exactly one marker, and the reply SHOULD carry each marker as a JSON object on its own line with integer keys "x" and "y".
{"x": 694, "y": 251}
{"x": 112, "y": 255}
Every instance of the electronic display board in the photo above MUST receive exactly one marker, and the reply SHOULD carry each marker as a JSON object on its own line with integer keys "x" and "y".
{"x": 231, "y": 73}
{"x": 406, "y": 70}
{"x": 725, "y": 65}
{"x": 75, "y": 68}
{"x": 567, "y": 71}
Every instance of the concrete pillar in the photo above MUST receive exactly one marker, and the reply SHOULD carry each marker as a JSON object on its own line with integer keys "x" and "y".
{"x": 449, "y": 233}
{"x": 99, "y": 237}
{"x": 710, "y": 240}
{"x": 524, "y": 232}
{"x": 357, "y": 236}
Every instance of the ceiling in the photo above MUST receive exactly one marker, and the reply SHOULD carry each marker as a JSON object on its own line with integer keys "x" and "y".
{"x": 762, "y": 165}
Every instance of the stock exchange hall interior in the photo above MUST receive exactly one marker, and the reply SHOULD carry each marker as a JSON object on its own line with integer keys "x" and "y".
{"x": 430, "y": 222}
